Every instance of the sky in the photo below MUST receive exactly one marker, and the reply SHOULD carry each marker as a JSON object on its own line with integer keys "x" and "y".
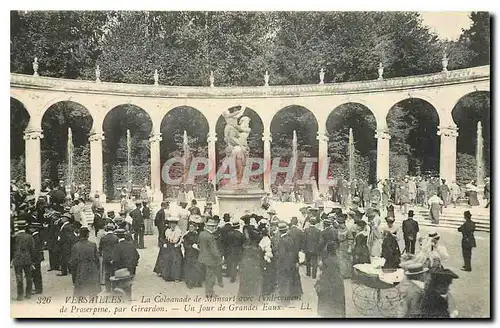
{"x": 447, "y": 25}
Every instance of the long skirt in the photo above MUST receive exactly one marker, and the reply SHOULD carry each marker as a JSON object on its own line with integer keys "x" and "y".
{"x": 250, "y": 272}
{"x": 148, "y": 227}
{"x": 434, "y": 212}
{"x": 193, "y": 270}
{"x": 269, "y": 277}
{"x": 345, "y": 261}
{"x": 473, "y": 201}
{"x": 169, "y": 263}
{"x": 102, "y": 272}
{"x": 289, "y": 284}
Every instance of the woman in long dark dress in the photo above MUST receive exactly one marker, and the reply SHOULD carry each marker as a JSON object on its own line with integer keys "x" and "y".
{"x": 250, "y": 275}
{"x": 330, "y": 287}
{"x": 360, "y": 252}
{"x": 169, "y": 261}
{"x": 390, "y": 251}
{"x": 193, "y": 273}
{"x": 268, "y": 263}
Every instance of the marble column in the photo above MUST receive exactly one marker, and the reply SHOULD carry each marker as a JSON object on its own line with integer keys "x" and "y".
{"x": 154, "y": 142}
{"x": 322, "y": 162}
{"x": 383, "y": 154}
{"x": 96, "y": 165}
{"x": 212, "y": 158}
{"x": 33, "y": 158}
{"x": 448, "y": 152}
{"x": 266, "y": 138}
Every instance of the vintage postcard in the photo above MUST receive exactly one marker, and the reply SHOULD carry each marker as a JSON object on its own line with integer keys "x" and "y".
{"x": 169, "y": 164}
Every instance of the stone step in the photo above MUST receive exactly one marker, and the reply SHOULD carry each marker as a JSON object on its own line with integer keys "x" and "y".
{"x": 450, "y": 226}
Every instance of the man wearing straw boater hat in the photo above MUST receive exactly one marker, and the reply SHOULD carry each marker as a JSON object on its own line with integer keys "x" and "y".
{"x": 24, "y": 247}
{"x": 122, "y": 283}
{"x": 287, "y": 257}
{"x": 412, "y": 290}
{"x": 210, "y": 255}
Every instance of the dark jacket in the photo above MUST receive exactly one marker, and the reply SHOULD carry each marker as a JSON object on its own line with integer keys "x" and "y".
{"x": 234, "y": 242}
{"x": 84, "y": 264}
{"x": 410, "y": 229}
{"x": 467, "y": 229}
{"x": 38, "y": 251}
{"x": 209, "y": 251}
{"x": 106, "y": 245}
{"x": 312, "y": 236}
{"x": 98, "y": 221}
{"x": 137, "y": 219}
{"x": 67, "y": 239}
{"x": 125, "y": 255}
{"x": 326, "y": 236}
{"x": 146, "y": 212}
{"x": 223, "y": 240}
{"x": 298, "y": 238}
{"x": 434, "y": 306}
{"x": 160, "y": 218}
{"x": 24, "y": 249}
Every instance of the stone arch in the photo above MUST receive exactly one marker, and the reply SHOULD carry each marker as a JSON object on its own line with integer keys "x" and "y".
{"x": 172, "y": 127}
{"x": 470, "y": 109}
{"x": 414, "y": 146}
{"x": 255, "y": 143}
{"x": 283, "y": 123}
{"x": 19, "y": 120}
{"x": 57, "y": 122}
{"x": 116, "y": 145}
{"x": 362, "y": 120}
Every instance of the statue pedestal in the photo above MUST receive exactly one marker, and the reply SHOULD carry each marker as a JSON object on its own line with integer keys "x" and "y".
{"x": 240, "y": 200}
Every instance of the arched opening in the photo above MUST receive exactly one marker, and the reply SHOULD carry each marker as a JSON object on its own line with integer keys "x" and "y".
{"x": 414, "y": 145}
{"x": 19, "y": 119}
{"x": 254, "y": 140}
{"x": 304, "y": 123}
{"x": 65, "y": 148}
{"x": 126, "y": 156}
{"x": 361, "y": 120}
{"x": 469, "y": 110}
{"x": 172, "y": 129}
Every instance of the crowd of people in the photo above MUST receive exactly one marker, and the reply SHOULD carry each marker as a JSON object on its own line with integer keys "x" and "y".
{"x": 260, "y": 252}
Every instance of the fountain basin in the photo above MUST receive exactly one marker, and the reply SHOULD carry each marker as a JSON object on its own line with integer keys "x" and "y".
{"x": 239, "y": 201}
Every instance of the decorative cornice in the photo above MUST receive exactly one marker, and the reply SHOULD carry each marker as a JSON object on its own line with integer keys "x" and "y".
{"x": 383, "y": 134}
{"x": 266, "y": 137}
{"x": 212, "y": 137}
{"x": 137, "y": 90}
{"x": 33, "y": 135}
{"x": 322, "y": 136}
{"x": 155, "y": 138}
{"x": 94, "y": 137}
{"x": 448, "y": 131}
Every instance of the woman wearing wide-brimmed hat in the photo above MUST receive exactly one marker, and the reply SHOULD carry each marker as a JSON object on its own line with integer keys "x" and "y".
{"x": 193, "y": 272}
{"x": 169, "y": 261}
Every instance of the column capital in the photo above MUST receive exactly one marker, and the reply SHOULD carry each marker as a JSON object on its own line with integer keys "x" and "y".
{"x": 96, "y": 136}
{"x": 383, "y": 134}
{"x": 448, "y": 131}
{"x": 33, "y": 134}
{"x": 156, "y": 137}
{"x": 322, "y": 136}
{"x": 212, "y": 137}
{"x": 267, "y": 137}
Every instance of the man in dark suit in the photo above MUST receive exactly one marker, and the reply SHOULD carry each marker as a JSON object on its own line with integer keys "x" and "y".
{"x": 124, "y": 255}
{"x": 328, "y": 235}
{"x": 410, "y": 230}
{"x": 66, "y": 240}
{"x": 296, "y": 234}
{"x": 311, "y": 248}
{"x": 24, "y": 253}
{"x": 138, "y": 225}
{"x": 234, "y": 249}
{"x": 210, "y": 255}
{"x": 84, "y": 265}
{"x": 52, "y": 235}
{"x": 468, "y": 240}
{"x": 223, "y": 231}
{"x": 106, "y": 245}
{"x": 98, "y": 220}
{"x": 37, "y": 257}
{"x": 160, "y": 221}
{"x": 288, "y": 277}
